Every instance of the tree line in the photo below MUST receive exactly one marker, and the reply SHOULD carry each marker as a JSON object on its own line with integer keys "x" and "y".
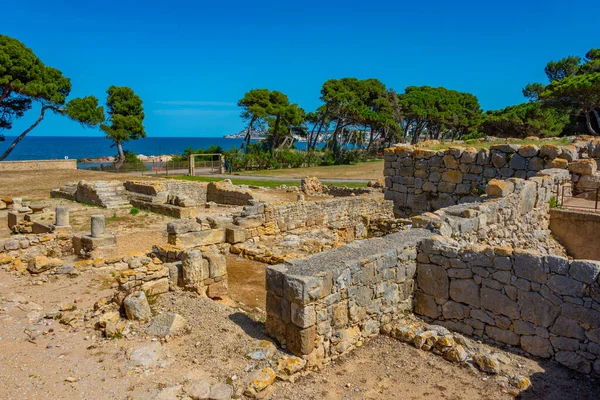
{"x": 27, "y": 83}
{"x": 357, "y": 117}
{"x": 365, "y": 115}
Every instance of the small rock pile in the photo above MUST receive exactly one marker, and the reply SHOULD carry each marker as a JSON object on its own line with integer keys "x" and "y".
{"x": 453, "y": 347}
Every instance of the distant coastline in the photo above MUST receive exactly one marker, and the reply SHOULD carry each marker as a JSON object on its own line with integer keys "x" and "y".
{"x": 84, "y": 147}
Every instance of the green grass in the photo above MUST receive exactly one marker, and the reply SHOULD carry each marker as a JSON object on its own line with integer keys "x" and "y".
{"x": 263, "y": 183}
{"x": 485, "y": 145}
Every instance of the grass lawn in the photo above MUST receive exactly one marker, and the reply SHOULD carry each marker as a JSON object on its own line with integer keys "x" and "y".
{"x": 363, "y": 170}
{"x": 257, "y": 182}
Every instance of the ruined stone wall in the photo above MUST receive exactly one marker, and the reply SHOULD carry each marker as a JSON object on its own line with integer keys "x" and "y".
{"x": 35, "y": 253}
{"x": 547, "y": 305}
{"x": 37, "y": 165}
{"x": 420, "y": 180}
{"x": 515, "y": 212}
{"x": 344, "y": 213}
{"x": 159, "y": 190}
{"x": 224, "y": 192}
{"x": 327, "y": 304}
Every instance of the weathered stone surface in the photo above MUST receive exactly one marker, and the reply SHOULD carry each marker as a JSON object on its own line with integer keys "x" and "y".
{"x": 536, "y": 309}
{"x": 567, "y": 327}
{"x": 563, "y": 285}
{"x": 426, "y": 305}
{"x": 486, "y": 363}
{"x": 166, "y": 324}
{"x": 583, "y": 167}
{"x": 258, "y": 380}
{"x": 148, "y": 356}
{"x": 433, "y": 280}
{"x": 137, "y": 307}
{"x": 261, "y": 350}
{"x": 530, "y": 267}
{"x": 495, "y": 301}
{"x": 465, "y": 291}
{"x": 499, "y": 188}
{"x": 502, "y": 335}
{"x": 586, "y": 271}
{"x": 537, "y": 346}
{"x": 574, "y": 361}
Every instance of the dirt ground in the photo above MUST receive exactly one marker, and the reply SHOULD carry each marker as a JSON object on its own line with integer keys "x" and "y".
{"x": 365, "y": 170}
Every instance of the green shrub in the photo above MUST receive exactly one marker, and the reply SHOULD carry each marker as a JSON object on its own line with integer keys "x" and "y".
{"x": 134, "y": 211}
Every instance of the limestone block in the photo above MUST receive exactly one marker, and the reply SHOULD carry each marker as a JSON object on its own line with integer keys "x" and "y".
{"x": 193, "y": 269}
{"x": 499, "y": 188}
{"x": 558, "y": 163}
{"x": 166, "y": 324}
{"x": 586, "y": 271}
{"x": 583, "y": 167}
{"x": 502, "y": 335}
{"x": 536, "y": 309}
{"x": 137, "y": 307}
{"x": 452, "y": 176}
{"x": 569, "y": 153}
{"x": 300, "y": 341}
{"x": 183, "y": 226}
{"x": 550, "y": 151}
{"x": 537, "y": 346}
{"x": 530, "y": 266}
{"x": 198, "y": 239}
{"x": 496, "y": 302}
{"x": 465, "y": 291}
{"x": 156, "y": 287}
{"x": 426, "y": 305}
{"x": 433, "y": 280}
{"x": 233, "y": 235}
{"x": 528, "y": 150}
{"x": 218, "y": 289}
{"x": 567, "y": 327}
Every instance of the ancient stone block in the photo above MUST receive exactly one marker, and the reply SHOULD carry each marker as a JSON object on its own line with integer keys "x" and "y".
{"x": 464, "y": 291}
{"x": 583, "y": 167}
{"x": 502, "y": 335}
{"x": 300, "y": 341}
{"x": 452, "y": 176}
{"x": 530, "y": 267}
{"x": 495, "y": 301}
{"x": 499, "y": 188}
{"x": 563, "y": 285}
{"x": 536, "y": 309}
{"x": 537, "y": 346}
{"x": 433, "y": 280}
{"x": 574, "y": 361}
{"x": 426, "y": 305}
{"x": 303, "y": 316}
{"x": 586, "y": 271}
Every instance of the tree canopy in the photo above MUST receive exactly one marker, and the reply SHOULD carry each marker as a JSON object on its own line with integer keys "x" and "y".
{"x": 25, "y": 81}
{"x": 125, "y": 118}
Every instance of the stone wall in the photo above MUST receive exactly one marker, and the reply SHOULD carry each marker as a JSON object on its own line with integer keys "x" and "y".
{"x": 27, "y": 253}
{"x": 327, "y": 304}
{"x": 224, "y": 192}
{"x": 577, "y": 231}
{"x": 37, "y": 165}
{"x": 515, "y": 212}
{"x": 421, "y": 180}
{"x": 350, "y": 213}
{"x": 547, "y": 305}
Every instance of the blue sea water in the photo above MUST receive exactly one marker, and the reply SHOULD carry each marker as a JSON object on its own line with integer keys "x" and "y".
{"x": 48, "y": 147}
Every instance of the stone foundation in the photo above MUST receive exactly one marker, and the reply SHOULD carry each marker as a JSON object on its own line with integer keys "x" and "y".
{"x": 547, "y": 305}
{"x": 325, "y": 305}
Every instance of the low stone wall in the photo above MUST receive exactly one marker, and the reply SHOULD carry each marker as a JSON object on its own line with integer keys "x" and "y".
{"x": 350, "y": 213}
{"x": 224, "y": 192}
{"x": 19, "y": 252}
{"x": 327, "y": 304}
{"x": 157, "y": 191}
{"x": 547, "y": 305}
{"x": 37, "y": 165}
{"x": 420, "y": 180}
{"x": 577, "y": 231}
{"x": 515, "y": 213}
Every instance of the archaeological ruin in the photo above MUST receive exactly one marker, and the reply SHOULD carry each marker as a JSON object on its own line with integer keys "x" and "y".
{"x": 457, "y": 246}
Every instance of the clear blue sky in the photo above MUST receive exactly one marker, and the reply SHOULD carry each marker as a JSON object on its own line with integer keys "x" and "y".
{"x": 190, "y": 61}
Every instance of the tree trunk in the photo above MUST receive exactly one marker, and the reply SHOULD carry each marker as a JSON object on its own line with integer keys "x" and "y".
{"x": 597, "y": 115}
{"x": 22, "y": 135}
{"x": 588, "y": 122}
{"x": 119, "y": 163}
{"x": 248, "y": 134}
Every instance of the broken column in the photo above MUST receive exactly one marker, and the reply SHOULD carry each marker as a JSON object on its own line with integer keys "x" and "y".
{"x": 17, "y": 203}
{"x": 98, "y": 239}
{"x": 98, "y": 225}
{"x": 61, "y": 218}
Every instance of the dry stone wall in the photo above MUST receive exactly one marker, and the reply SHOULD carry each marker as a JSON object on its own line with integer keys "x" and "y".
{"x": 515, "y": 212}
{"x": 224, "y": 192}
{"x": 327, "y": 304}
{"x": 547, "y": 305}
{"x": 420, "y": 180}
{"x": 37, "y": 165}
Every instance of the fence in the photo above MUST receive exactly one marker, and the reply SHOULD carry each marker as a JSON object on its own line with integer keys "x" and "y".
{"x": 587, "y": 199}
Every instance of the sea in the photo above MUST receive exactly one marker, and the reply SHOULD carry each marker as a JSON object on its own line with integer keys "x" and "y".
{"x": 57, "y": 147}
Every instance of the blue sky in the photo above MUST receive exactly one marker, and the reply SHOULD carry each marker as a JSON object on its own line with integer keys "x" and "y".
{"x": 191, "y": 61}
